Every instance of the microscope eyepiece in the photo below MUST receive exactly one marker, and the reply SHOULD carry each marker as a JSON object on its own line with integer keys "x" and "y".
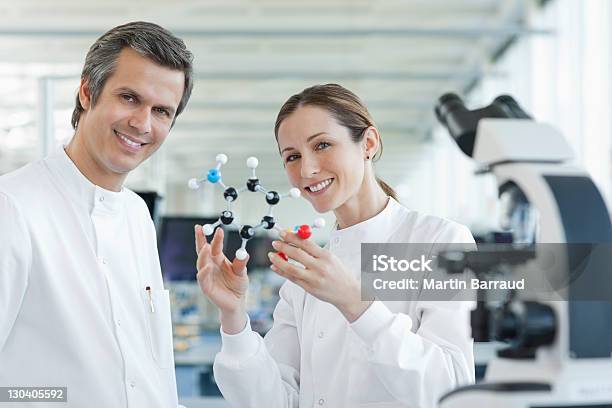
{"x": 511, "y": 107}
{"x": 446, "y": 104}
{"x": 462, "y": 123}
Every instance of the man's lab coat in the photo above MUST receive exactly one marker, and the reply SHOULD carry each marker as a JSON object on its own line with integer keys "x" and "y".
{"x": 75, "y": 260}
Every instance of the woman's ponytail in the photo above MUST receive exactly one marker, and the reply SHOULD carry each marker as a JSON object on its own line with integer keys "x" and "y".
{"x": 387, "y": 188}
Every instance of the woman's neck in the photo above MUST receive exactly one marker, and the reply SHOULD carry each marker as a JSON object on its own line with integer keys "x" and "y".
{"x": 368, "y": 202}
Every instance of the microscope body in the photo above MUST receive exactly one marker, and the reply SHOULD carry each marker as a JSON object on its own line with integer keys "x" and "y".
{"x": 562, "y": 350}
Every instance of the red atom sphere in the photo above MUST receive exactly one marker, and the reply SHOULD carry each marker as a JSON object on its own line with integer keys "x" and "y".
{"x": 304, "y": 231}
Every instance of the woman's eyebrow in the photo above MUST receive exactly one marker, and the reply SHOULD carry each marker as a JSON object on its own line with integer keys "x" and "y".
{"x": 307, "y": 140}
{"x": 315, "y": 135}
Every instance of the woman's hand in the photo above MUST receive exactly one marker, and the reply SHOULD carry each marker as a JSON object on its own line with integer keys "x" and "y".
{"x": 323, "y": 275}
{"x": 225, "y": 283}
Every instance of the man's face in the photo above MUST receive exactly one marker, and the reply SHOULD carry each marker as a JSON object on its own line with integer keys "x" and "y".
{"x": 133, "y": 113}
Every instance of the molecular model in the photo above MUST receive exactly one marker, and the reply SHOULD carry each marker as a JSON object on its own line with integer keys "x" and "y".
{"x": 231, "y": 194}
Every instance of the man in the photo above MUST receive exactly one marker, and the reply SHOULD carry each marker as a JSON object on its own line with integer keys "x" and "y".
{"x": 82, "y": 303}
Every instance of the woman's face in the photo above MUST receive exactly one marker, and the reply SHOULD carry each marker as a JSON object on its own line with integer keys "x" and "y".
{"x": 320, "y": 158}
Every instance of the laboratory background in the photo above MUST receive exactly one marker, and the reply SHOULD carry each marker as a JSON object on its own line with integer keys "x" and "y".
{"x": 399, "y": 56}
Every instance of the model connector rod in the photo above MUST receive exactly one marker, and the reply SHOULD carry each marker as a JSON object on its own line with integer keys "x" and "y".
{"x": 231, "y": 194}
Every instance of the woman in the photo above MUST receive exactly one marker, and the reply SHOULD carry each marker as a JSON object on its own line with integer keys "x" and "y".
{"x": 327, "y": 347}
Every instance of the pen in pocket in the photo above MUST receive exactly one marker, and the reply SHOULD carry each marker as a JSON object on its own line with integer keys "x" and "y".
{"x": 148, "y": 289}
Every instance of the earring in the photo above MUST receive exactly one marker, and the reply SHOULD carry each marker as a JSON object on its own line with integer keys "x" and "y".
{"x": 367, "y": 157}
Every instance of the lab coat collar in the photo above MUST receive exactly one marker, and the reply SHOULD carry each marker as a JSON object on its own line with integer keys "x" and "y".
{"x": 80, "y": 190}
{"x": 375, "y": 229}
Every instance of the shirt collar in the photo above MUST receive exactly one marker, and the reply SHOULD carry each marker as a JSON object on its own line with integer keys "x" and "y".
{"x": 78, "y": 187}
{"x": 375, "y": 229}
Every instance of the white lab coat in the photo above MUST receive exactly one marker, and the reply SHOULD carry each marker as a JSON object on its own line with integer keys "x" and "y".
{"x": 74, "y": 263}
{"x": 397, "y": 354}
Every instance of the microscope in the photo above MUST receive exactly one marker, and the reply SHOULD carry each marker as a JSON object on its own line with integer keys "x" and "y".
{"x": 559, "y": 350}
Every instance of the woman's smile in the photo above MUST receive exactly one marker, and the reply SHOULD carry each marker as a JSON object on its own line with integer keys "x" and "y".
{"x": 319, "y": 188}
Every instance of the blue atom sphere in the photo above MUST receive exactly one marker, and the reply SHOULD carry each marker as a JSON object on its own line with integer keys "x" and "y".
{"x": 213, "y": 175}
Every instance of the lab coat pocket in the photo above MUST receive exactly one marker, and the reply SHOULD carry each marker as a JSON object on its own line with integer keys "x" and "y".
{"x": 159, "y": 325}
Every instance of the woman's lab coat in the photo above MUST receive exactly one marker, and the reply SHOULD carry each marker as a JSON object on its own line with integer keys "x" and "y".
{"x": 397, "y": 354}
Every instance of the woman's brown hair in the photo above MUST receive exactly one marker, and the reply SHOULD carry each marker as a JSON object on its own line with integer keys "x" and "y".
{"x": 345, "y": 107}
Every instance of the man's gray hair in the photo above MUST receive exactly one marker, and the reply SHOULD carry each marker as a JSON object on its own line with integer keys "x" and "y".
{"x": 150, "y": 41}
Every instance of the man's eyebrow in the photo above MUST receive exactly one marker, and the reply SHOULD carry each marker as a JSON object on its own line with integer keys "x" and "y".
{"x": 307, "y": 140}
{"x": 170, "y": 109}
{"x": 129, "y": 90}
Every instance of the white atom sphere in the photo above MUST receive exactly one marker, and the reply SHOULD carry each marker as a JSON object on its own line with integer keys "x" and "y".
{"x": 252, "y": 162}
{"x": 295, "y": 192}
{"x": 193, "y": 184}
{"x": 241, "y": 254}
{"x": 319, "y": 223}
{"x": 221, "y": 158}
{"x": 208, "y": 229}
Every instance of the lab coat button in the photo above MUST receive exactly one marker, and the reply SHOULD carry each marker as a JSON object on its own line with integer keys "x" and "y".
{"x": 103, "y": 260}
{"x": 321, "y": 401}
{"x": 101, "y": 198}
{"x": 336, "y": 240}
{"x": 321, "y": 334}
{"x": 132, "y": 384}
